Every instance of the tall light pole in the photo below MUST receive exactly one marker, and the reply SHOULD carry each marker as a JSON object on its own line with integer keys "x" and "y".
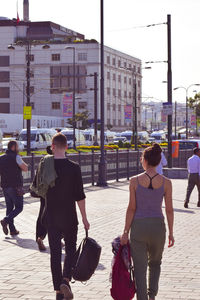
{"x": 27, "y": 44}
{"x": 74, "y": 95}
{"x": 102, "y": 164}
{"x": 186, "y": 99}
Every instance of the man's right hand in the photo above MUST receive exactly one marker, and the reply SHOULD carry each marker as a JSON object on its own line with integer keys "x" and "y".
{"x": 86, "y": 224}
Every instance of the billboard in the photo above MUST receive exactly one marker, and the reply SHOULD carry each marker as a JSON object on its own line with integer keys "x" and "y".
{"x": 128, "y": 112}
{"x": 67, "y": 105}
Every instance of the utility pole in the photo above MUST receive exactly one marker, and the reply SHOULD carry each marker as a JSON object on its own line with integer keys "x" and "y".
{"x": 95, "y": 110}
{"x": 135, "y": 110}
{"x": 102, "y": 164}
{"x": 28, "y": 103}
{"x": 169, "y": 91}
{"x": 175, "y": 120}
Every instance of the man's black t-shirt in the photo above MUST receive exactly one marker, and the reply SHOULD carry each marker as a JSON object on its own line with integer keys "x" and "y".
{"x": 61, "y": 199}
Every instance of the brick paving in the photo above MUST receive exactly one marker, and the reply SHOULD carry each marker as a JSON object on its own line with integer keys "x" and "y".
{"x": 25, "y": 272}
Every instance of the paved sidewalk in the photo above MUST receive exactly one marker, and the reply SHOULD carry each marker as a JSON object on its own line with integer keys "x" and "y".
{"x": 25, "y": 272}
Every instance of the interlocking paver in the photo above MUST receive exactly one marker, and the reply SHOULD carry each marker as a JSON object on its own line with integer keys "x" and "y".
{"x": 25, "y": 272}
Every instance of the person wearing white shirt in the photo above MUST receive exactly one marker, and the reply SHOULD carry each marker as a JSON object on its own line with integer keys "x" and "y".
{"x": 163, "y": 163}
{"x": 193, "y": 165}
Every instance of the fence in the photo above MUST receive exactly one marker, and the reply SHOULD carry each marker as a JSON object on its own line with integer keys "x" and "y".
{"x": 120, "y": 164}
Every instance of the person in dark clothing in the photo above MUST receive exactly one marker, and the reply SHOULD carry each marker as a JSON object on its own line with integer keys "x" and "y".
{"x": 11, "y": 167}
{"x": 60, "y": 216}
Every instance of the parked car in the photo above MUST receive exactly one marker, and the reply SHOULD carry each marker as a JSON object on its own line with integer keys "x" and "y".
{"x": 159, "y": 136}
{"x": 40, "y": 138}
{"x": 118, "y": 139}
{"x": 79, "y": 137}
{"x": 188, "y": 144}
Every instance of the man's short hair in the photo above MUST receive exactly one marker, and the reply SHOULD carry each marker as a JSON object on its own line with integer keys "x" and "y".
{"x": 196, "y": 150}
{"x": 11, "y": 144}
{"x": 59, "y": 140}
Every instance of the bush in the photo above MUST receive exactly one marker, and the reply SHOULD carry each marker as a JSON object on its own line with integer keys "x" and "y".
{"x": 120, "y": 144}
{"x": 127, "y": 145}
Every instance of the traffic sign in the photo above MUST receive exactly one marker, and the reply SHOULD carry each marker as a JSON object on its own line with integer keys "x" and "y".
{"x": 167, "y": 109}
{"x": 27, "y": 112}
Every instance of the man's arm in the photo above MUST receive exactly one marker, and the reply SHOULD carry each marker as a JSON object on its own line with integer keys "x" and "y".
{"x": 23, "y": 166}
{"x": 81, "y": 205}
{"x": 163, "y": 160}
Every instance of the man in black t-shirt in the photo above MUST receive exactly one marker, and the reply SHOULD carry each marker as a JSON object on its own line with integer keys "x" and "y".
{"x": 61, "y": 217}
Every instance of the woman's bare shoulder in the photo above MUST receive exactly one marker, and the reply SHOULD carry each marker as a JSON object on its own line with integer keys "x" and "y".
{"x": 134, "y": 179}
{"x": 168, "y": 182}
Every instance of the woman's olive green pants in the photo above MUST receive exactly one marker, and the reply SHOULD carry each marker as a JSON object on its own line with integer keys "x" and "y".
{"x": 147, "y": 243}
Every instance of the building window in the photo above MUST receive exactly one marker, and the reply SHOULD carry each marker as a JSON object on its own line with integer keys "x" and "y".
{"x": 108, "y": 60}
{"x": 125, "y": 79}
{"x": 130, "y": 67}
{"x": 125, "y": 65}
{"x": 4, "y": 61}
{"x": 119, "y": 63}
{"x": 129, "y": 95}
{"x": 55, "y": 57}
{"x": 82, "y": 56}
{"x": 119, "y": 93}
{"x": 108, "y": 75}
{"x": 82, "y": 105}
{"x": 130, "y": 81}
{"x": 139, "y": 83}
{"x": 125, "y": 94}
{"x": 4, "y": 92}
{"x": 4, "y": 76}
{"x": 113, "y": 61}
{"x": 139, "y": 96}
{"x": 31, "y": 73}
{"x": 31, "y": 57}
{"x": 119, "y": 78}
{"x": 114, "y": 107}
{"x": 4, "y": 109}
{"x": 114, "y": 77}
{"x": 108, "y": 91}
{"x": 119, "y": 107}
{"x": 139, "y": 70}
{"x": 114, "y": 92}
{"x": 55, "y": 105}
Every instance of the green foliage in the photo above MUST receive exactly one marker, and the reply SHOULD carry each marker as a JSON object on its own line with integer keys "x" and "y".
{"x": 120, "y": 144}
{"x": 83, "y": 117}
{"x": 127, "y": 145}
{"x": 195, "y": 103}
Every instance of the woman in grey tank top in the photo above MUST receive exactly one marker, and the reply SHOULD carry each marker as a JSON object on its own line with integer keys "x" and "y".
{"x": 145, "y": 221}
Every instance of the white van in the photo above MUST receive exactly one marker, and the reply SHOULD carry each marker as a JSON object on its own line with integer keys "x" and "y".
{"x": 159, "y": 136}
{"x": 90, "y": 137}
{"x": 40, "y": 138}
{"x": 80, "y": 139}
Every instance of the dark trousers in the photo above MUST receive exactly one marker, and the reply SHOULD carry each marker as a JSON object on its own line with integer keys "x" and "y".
{"x": 147, "y": 244}
{"x": 193, "y": 179}
{"x": 70, "y": 237}
{"x": 41, "y": 230}
{"x": 14, "y": 206}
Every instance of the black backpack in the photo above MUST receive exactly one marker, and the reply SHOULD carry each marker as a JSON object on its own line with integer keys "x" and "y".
{"x": 87, "y": 259}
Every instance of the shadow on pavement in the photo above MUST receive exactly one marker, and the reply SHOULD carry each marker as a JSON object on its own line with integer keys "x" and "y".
{"x": 184, "y": 211}
{"x": 24, "y": 243}
{"x": 101, "y": 267}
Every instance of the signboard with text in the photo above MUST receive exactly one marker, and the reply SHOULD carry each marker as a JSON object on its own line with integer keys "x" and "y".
{"x": 128, "y": 112}
{"x": 167, "y": 109}
{"x": 68, "y": 105}
{"x": 27, "y": 112}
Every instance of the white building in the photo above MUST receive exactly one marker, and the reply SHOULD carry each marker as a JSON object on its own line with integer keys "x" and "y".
{"x": 52, "y": 73}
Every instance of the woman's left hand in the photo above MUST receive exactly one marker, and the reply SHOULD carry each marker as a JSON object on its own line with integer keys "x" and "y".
{"x": 124, "y": 239}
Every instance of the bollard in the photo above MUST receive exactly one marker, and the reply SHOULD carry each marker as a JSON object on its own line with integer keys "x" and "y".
{"x": 117, "y": 165}
{"x": 92, "y": 167}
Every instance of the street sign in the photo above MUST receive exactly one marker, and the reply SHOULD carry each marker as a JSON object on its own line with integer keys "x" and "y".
{"x": 27, "y": 112}
{"x": 167, "y": 109}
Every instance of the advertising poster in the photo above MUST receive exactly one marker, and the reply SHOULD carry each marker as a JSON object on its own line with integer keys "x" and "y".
{"x": 67, "y": 105}
{"x": 128, "y": 112}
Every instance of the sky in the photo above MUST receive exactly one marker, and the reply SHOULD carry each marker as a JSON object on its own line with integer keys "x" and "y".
{"x": 123, "y": 32}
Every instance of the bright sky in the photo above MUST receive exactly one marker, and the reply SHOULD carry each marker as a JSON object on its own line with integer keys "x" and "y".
{"x": 145, "y": 43}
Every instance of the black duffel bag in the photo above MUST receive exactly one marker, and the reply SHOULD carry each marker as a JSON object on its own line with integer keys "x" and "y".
{"x": 87, "y": 259}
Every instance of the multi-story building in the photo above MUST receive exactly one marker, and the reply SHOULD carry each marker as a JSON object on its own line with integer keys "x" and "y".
{"x": 51, "y": 65}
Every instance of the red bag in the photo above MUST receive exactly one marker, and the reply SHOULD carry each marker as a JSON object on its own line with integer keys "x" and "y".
{"x": 123, "y": 285}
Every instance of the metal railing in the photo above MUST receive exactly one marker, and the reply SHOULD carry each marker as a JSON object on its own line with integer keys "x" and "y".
{"x": 120, "y": 164}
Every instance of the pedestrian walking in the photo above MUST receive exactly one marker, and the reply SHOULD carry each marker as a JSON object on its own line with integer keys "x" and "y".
{"x": 163, "y": 163}
{"x": 193, "y": 165}
{"x": 61, "y": 180}
{"x": 11, "y": 167}
{"x": 145, "y": 221}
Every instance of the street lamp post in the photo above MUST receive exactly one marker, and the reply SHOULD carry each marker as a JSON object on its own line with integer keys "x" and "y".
{"x": 74, "y": 95}
{"x": 102, "y": 164}
{"x": 186, "y": 99}
{"x": 28, "y": 103}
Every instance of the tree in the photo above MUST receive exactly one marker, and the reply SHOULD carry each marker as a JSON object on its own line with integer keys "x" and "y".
{"x": 195, "y": 103}
{"x": 82, "y": 117}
